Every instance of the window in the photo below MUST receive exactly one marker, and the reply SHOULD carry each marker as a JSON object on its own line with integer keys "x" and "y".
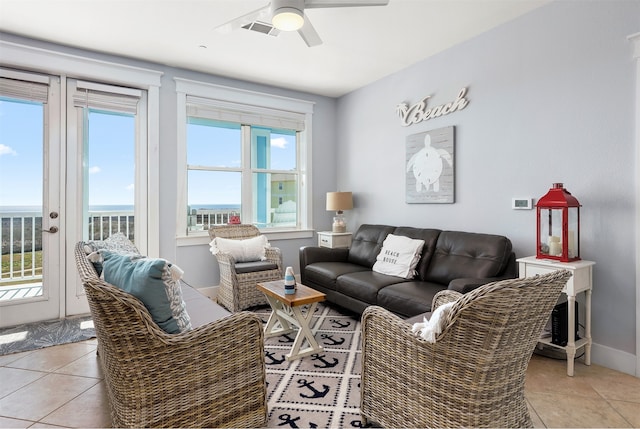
{"x": 247, "y": 159}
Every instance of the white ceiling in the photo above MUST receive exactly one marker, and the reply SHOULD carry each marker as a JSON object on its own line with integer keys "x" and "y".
{"x": 361, "y": 45}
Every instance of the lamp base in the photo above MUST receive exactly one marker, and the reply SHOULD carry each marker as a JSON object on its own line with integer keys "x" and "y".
{"x": 339, "y": 225}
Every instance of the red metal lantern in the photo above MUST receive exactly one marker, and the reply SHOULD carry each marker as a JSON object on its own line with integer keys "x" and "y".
{"x": 558, "y": 230}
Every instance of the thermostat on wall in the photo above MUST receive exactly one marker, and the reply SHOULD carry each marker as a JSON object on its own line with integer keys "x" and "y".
{"x": 522, "y": 203}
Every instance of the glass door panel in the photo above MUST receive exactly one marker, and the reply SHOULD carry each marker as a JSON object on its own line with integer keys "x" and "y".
{"x": 29, "y": 180}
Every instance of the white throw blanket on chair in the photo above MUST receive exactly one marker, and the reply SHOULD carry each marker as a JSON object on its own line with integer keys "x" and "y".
{"x": 429, "y": 329}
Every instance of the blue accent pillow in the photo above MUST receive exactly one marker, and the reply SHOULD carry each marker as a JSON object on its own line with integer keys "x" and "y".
{"x": 153, "y": 282}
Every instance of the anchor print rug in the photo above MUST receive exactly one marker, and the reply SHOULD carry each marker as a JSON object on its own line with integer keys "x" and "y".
{"x": 321, "y": 390}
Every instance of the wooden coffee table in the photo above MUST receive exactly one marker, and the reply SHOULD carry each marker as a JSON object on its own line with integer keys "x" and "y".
{"x": 288, "y": 312}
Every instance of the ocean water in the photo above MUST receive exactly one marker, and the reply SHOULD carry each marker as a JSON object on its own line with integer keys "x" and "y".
{"x": 119, "y": 208}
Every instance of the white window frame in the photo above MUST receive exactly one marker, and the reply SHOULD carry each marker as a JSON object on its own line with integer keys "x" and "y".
{"x": 240, "y": 101}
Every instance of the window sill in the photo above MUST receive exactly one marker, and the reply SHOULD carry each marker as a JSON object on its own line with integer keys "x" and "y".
{"x": 202, "y": 238}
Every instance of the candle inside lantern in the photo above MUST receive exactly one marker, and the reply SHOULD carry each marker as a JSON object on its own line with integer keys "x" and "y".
{"x": 555, "y": 247}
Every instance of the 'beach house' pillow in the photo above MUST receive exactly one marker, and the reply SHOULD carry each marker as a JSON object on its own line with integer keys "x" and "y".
{"x": 399, "y": 256}
{"x": 247, "y": 250}
{"x": 155, "y": 282}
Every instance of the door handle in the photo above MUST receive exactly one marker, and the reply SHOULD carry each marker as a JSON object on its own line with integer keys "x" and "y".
{"x": 51, "y": 230}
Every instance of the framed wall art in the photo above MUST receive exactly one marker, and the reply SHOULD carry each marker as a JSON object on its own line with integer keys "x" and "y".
{"x": 430, "y": 167}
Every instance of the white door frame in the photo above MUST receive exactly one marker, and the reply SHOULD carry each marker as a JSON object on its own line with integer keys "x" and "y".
{"x": 635, "y": 40}
{"x": 52, "y": 62}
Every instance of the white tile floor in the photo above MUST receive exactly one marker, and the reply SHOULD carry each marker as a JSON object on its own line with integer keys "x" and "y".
{"x": 62, "y": 386}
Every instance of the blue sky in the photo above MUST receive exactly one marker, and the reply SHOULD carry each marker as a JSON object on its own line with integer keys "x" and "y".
{"x": 20, "y": 154}
{"x": 111, "y": 158}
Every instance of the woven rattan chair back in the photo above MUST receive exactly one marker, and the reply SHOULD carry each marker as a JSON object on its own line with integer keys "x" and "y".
{"x": 211, "y": 376}
{"x": 238, "y": 291}
{"x": 474, "y": 374}
{"x": 237, "y": 232}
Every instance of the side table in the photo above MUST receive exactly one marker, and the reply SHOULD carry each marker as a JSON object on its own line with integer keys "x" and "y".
{"x": 287, "y": 311}
{"x": 334, "y": 240}
{"x": 580, "y": 281}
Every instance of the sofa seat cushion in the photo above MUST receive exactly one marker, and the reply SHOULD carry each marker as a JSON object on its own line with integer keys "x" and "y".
{"x": 326, "y": 273}
{"x": 408, "y": 298}
{"x": 365, "y": 285}
{"x": 201, "y": 309}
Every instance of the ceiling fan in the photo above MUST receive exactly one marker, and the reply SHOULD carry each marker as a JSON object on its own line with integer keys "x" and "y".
{"x": 288, "y": 15}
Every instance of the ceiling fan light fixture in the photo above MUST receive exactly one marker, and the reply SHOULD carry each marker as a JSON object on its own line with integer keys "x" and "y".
{"x": 287, "y": 19}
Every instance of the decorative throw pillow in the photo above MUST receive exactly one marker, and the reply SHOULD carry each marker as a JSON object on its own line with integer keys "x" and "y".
{"x": 248, "y": 250}
{"x": 117, "y": 242}
{"x": 399, "y": 256}
{"x": 155, "y": 282}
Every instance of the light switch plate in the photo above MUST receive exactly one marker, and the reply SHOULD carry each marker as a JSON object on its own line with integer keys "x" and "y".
{"x": 522, "y": 203}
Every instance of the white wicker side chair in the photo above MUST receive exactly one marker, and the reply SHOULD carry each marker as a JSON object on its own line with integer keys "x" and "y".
{"x": 238, "y": 280}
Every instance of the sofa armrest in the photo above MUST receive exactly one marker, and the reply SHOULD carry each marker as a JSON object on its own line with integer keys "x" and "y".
{"x": 311, "y": 254}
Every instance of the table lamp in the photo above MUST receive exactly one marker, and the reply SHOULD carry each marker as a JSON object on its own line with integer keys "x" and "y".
{"x": 338, "y": 202}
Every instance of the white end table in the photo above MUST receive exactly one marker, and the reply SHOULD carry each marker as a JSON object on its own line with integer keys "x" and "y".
{"x": 580, "y": 281}
{"x": 334, "y": 240}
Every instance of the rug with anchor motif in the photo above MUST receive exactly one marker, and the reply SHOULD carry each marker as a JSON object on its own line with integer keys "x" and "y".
{"x": 321, "y": 390}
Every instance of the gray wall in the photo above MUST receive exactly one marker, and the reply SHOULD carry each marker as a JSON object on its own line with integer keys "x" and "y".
{"x": 551, "y": 99}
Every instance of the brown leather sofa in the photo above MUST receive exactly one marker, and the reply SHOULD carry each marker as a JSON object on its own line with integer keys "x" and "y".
{"x": 455, "y": 260}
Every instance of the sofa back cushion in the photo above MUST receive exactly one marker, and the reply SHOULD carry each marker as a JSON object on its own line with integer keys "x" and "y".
{"x": 470, "y": 255}
{"x": 366, "y": 244}
{"x": 430, "y": 237}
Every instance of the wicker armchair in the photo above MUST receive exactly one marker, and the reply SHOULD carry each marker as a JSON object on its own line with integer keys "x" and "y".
{"x": 474, "y": 374}
{"x": 238, "y": 280}
{"x": 211, "y": 376}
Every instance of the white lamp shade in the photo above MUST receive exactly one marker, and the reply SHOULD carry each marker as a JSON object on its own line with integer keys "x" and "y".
{"x": 338, "y": 201}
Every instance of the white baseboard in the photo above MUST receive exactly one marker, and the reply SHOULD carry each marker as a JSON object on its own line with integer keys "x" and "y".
{"x": 614, "y": 359}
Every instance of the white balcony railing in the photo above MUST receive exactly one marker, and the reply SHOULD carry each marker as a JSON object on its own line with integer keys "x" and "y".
{"x": 21, "y": 234}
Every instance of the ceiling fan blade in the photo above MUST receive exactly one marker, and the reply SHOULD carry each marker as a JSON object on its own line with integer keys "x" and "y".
{"x": 309, "y": 34}
{"x": 261, "y": 14}
{"x": 347, "y": 3}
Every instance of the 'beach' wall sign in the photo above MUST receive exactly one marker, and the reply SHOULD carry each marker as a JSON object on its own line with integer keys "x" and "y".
{"x": 422, "y": 112}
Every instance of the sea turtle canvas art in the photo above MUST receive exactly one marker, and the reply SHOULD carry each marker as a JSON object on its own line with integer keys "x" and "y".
{"x": 430, "y": 167}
